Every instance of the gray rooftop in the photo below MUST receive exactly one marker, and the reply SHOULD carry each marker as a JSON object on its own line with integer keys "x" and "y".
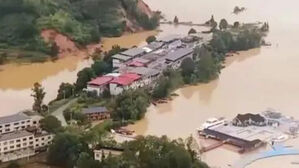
{"x": 95, "y": 110}
{"x": 177, "y": 54}
{"x": 121, "y": 57}
{"x": 133, "y": 52}
{"x": 14, "y": 118}
{"x": 154, "y": 45}
{"x": 14, "y": 135}
{"x": 142, "y": 60}
{"x": 143, "y": 71}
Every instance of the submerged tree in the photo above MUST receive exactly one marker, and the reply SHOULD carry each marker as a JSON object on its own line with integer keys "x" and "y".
{"x": 151, "y": 39}
{"x": 38, "y": 95}
{"x": 223, "y": 24}
{"x": 192, "y": 31}
{"x": 176, "y": 20}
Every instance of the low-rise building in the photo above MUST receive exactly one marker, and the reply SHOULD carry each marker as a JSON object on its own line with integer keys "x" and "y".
{"x": 118, "y": 60}
{"x": 19, "y": 121}
{"x": 175, "y": 58}
{"x": 244, "y": 120}
{"x": 96, "y": 113}
{"x": 124, "y": 82}
{"x": 103, "y": 152}
{"x": 99, "y": 84}
{"x": 20, "y": 144}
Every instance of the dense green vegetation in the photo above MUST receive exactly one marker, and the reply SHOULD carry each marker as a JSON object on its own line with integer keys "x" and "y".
{"x": 84, "y": 21}
{"x": 71, "y": 149}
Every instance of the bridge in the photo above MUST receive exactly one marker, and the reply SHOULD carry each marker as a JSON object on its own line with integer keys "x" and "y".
{"x": 277, "y": 150}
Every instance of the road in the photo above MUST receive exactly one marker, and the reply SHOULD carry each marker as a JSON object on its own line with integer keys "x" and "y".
{"x": 59, "y": 112}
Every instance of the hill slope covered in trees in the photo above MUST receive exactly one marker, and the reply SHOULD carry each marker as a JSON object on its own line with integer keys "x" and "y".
{"x": 83, "y": 21}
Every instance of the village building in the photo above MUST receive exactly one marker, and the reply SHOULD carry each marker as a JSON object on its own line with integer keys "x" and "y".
{"x": 118, "y": 60}
{"x": 175, "y": 58}
{"x": 99, "y": 84}
{"x": 134, "y": 52}
{"x": 20, "y": 144}
{"x": 96, "y": 113}
{"x": 148, "y": 75}
{"x": 153, "y": 46}
{"x": 244, "y": 120}
{"x": 103, "y": 152}
{"x": 19, "y": 121}
{"x": 124, "y": 82}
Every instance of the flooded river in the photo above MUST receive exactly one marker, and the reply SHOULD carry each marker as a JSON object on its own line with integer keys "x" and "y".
{"x": 17, "y": 80}
{"x": 251, "y": 82}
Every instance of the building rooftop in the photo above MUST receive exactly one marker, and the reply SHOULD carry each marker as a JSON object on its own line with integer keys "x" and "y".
{"x": 126, "y": 79}
{"x": 92, "y": 110}
{"x": 143, "y": 71}
{"x": 99, "y": 81}
{"x": 177, "y": 54}
{"x": 153, "y": 46}
{"x": 121, "y": 57}
{"x": 133, "y": 52}
{"x": 14, "y": 118}
{"x": 14, "y": 135}
{"x": 135, "y": 63}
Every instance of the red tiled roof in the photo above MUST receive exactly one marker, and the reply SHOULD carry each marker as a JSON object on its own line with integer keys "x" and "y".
{"x": 126, "y": 79}
{"x": 99, "y": 81}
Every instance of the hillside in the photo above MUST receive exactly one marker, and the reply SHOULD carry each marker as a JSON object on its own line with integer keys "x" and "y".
{"x": 82, "y": 21}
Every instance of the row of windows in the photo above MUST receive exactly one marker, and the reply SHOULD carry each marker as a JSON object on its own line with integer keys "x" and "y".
{"x": 17, "y": 123}
{"x": 15, "y": 146}
{"x": 18, "y": 140}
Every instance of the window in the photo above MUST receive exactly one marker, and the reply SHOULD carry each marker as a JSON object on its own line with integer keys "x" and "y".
{"x": 7, "y": 130}
{"x": 49, "y": 137}
{"x": 24, "y": 144}
{"x": 7, "y": 125}
{"x": 28, "y": 121}
{"x": 11, "y": 142}
{"x": 36, "y": 139}
{"x": 43, "y": 139}
{"x": 31, "y": 143}
{"x": 24, "y": 139}
{"x": 18, "y": 140}
{"x": 23, "y": 127}
{"x": 43, "y": 144}
{"x": 23, "y": 122}
{"x": 0, "y": 126}
{"x": 34, "y": 122}
{"x": 30, "y": 138}
{"x": 11, "y": 147}
{"x": 49, "y": 142}
{"x": 5, "y": 148}
{"x": 5, "y": 143}
{"x": 18, "y": 146}
{"x": 37, "y": 145}
{"x": 16, "y": 123}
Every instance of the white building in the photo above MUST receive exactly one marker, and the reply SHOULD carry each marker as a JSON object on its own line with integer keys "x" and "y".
{"x": 99, "y": 84}
{"x": 18, "y": 121}
{"x": 124, "y": 82}
{"x": 21, "y": 144}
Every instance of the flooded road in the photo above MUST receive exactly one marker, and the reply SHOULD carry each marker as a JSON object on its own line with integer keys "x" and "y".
{"x": 17, "y": 80}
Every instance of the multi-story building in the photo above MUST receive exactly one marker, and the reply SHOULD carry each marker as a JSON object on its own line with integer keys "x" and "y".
{"x": 20, "y": 137}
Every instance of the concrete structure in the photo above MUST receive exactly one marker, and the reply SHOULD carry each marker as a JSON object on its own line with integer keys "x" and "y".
{"x": 20, "y": 144}
{"x": 103, "y": 152}
{"x": 244, "y": 120}
{"x": 124, "y": 82}
{"x": 118, "y": 60}
{"x": 17, "y": 122}
{"x": 175, "y": 58}
{"x": 96, "y": 113}
{"x": 99, "y": 84}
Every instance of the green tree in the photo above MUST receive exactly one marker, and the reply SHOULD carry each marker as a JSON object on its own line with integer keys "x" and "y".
{"x": 223, "y": 24}
{"x": 151, "y": 39}
{"x": 83, "y": 77}
{"x": 100, "y": 67}
{"x": 176, "y": 20}
{"x": 85, "y": 160}
{"x": 51, "y": 124}
{"x": 65, "y": 90}
{"x": 131, "y": 105}
{"x": 65, "y": 150}
{"x": 38, "y": 95}
{"x": 236, "y": 24}
{"x": 192, "y": 31}
{"x": 162, "y": 88}
{"x": 187, "y": 67}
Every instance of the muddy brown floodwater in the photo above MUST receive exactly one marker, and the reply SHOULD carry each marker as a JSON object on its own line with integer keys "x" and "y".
{"x": 251, "y": 82}
{"x": 16, "y": 80}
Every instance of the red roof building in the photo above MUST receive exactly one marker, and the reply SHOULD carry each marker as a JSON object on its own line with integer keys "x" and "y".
{"x": 100, "y": 81}
{"x": 135, "y": 64}
{"x": 126, "y": 79}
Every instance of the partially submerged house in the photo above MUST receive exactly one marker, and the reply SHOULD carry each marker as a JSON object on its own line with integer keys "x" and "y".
{"x": 244, "y": 120}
